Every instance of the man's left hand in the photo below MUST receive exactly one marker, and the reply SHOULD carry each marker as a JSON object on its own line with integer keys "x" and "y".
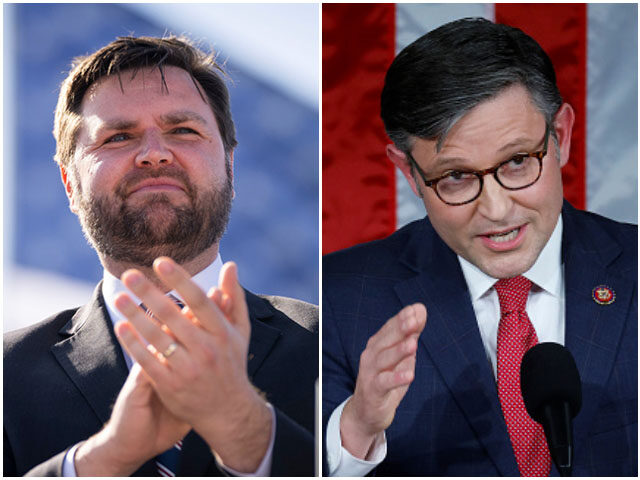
{"x": 202, "y": 375}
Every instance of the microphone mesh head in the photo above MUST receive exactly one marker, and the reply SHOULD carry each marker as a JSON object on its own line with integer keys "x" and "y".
{"x": 548, "y": 374}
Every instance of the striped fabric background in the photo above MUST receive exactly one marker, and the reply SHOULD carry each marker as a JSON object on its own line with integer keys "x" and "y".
{"x": 593, "y": 48}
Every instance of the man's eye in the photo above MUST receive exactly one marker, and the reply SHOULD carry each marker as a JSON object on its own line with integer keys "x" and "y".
{"x": 184, "y": 130}
{"x": 118, "y": 137}
{"x": 457, "y": 175}
{"x": 517, "y": 160}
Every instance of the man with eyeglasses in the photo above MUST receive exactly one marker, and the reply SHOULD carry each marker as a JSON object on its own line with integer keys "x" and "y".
{"x": 424, "y": 331}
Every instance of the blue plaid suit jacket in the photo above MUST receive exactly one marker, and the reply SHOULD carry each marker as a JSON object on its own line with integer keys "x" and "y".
{"x": 450, "y": 422}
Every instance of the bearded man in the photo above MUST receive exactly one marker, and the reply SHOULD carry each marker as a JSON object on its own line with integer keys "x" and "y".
{"x": 204, "y": 384}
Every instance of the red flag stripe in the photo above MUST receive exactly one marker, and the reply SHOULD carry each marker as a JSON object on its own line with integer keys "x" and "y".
{"x": 358, "y": 181}
{"x": 561, "y": 30}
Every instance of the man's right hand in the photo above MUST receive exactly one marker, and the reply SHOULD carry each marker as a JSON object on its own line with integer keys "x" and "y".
{"x": 387, "y": 368}
{"x": 139, "y": 429}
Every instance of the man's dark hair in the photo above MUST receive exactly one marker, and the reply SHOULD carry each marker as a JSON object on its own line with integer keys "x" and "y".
{"x": 437, "y": 79}
{"x": 130, "y": 54}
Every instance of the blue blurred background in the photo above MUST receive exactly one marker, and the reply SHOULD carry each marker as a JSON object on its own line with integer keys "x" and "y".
{"x": 272, "y": 56}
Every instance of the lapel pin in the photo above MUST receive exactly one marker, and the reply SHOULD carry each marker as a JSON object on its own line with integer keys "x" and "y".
{"x": 251, "y": 355}
{"x": 603, "y": 295}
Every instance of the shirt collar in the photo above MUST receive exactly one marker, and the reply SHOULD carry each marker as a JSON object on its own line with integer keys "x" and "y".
{"x": 545, "y": 272}
{"x": 112, "y": 286}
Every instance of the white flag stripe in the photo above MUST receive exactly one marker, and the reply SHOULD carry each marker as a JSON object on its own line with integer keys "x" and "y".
{"x": 612, "y": 111}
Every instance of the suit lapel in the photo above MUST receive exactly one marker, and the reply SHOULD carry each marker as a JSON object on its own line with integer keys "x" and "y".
{"x": 453, "y": 343}
{"x": 593, "y": 331}
{"x": 263, "y": 336}
{"x": 91, "y": 356}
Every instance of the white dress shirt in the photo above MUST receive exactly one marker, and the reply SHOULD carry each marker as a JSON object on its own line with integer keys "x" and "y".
{"x": 111, "y": 287}
{"x": 546, "y": 310}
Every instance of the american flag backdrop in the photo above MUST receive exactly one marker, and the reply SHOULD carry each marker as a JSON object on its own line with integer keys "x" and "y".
{"x": 594, "y": 51}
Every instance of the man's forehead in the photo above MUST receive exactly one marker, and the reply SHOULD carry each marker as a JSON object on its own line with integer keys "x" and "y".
{"x": 122, "y": 121}
{"x": 503, "y": 124}
{"x": 159, "y": 79}
{"x": 117, "y": 101}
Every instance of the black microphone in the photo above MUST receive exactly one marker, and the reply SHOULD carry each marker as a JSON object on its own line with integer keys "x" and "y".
{"x": 552, "y": 394}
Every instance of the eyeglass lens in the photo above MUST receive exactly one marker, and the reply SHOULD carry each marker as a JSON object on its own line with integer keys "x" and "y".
{"x": 461, "y": 187}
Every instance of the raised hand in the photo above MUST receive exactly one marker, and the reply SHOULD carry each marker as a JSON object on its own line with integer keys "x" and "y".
{"x": 387, "y": 368}
{"x": 139, "y": 429}
{"x": 197, "y": 359}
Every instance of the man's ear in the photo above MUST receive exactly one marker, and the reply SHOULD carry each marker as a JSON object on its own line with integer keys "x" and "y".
{"x": 68, "y": 188}
{"x": 563, "y": 125}
{"x": 400, "y": 160}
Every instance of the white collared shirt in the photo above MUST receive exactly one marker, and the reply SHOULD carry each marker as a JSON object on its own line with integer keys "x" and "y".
{"x": 207, "y": 278}
{"x": 546, "y": 310}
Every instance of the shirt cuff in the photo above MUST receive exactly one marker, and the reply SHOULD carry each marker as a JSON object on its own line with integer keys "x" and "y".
{"x": 264, "y": 469}
{"x": 340, "y": 462}
{"x": 68, "y": 466}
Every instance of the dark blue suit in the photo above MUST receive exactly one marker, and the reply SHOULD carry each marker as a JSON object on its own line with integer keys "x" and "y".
{"x": 450, "y": 422}
{"x": 62, "y": 376}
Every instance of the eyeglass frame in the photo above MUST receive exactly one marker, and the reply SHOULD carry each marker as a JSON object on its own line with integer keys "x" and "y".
{"x": 539, "y": 155}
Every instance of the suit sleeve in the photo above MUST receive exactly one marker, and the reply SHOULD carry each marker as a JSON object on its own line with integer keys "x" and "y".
{"x": 338, "y": 374}
{"x": 49, "y": 468}
{"x": 293, "y": 449}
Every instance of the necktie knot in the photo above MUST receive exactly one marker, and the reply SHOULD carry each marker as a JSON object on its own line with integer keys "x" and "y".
{"x": 513, "y": 293}
{"x": 173, "y": 298}
{"x": 176, "y": 300}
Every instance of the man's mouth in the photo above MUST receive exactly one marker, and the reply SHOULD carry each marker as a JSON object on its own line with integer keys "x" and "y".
{"x": 157, "y": 185}
{"x": 505, "y": 236}
{"x": 505, "y": 240}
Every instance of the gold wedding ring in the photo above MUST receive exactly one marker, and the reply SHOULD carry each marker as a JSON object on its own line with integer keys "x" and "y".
{"x": 170, "y": 350}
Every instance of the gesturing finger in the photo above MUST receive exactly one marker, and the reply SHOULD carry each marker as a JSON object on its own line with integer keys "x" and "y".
{"x": 164, "y": 309}
{"x": 238, "y": 312}
{"x": 408, "y": 321}
{"x": 388, "y": 358}
{"x": 159, "y": 337}
{"x": 206, "y": 311}
{"x": 136, "y": 348}
{"x": 401, "y": 375}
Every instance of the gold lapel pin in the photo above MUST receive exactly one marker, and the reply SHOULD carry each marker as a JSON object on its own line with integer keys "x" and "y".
{"x": 603, "y": 295}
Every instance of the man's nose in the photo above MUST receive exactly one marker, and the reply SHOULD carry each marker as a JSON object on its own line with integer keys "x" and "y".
{"x": 495, "y": 201}
{"x": 153, "y": 151}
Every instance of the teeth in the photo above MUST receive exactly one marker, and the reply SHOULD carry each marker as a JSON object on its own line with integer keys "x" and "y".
{"x": 505, "y": 237}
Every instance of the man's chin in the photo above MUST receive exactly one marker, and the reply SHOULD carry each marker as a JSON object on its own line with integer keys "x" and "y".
{"x": 161, "y": 225}
{"x": 507, "y": 267}
{"x": 144, "y": 255}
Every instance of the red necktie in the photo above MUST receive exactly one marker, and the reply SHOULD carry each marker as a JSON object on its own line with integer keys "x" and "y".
{"x": 515, "y": 336}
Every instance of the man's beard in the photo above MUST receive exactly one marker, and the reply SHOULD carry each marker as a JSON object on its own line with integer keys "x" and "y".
{"x": 130, "y": 234}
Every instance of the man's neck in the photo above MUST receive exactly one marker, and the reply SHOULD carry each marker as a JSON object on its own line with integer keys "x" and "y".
{"x": 193, "y": 266}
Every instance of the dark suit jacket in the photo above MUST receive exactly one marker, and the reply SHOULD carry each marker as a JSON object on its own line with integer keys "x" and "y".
{"x": 62, "y": 376}
{"x": 450, "y": 422}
